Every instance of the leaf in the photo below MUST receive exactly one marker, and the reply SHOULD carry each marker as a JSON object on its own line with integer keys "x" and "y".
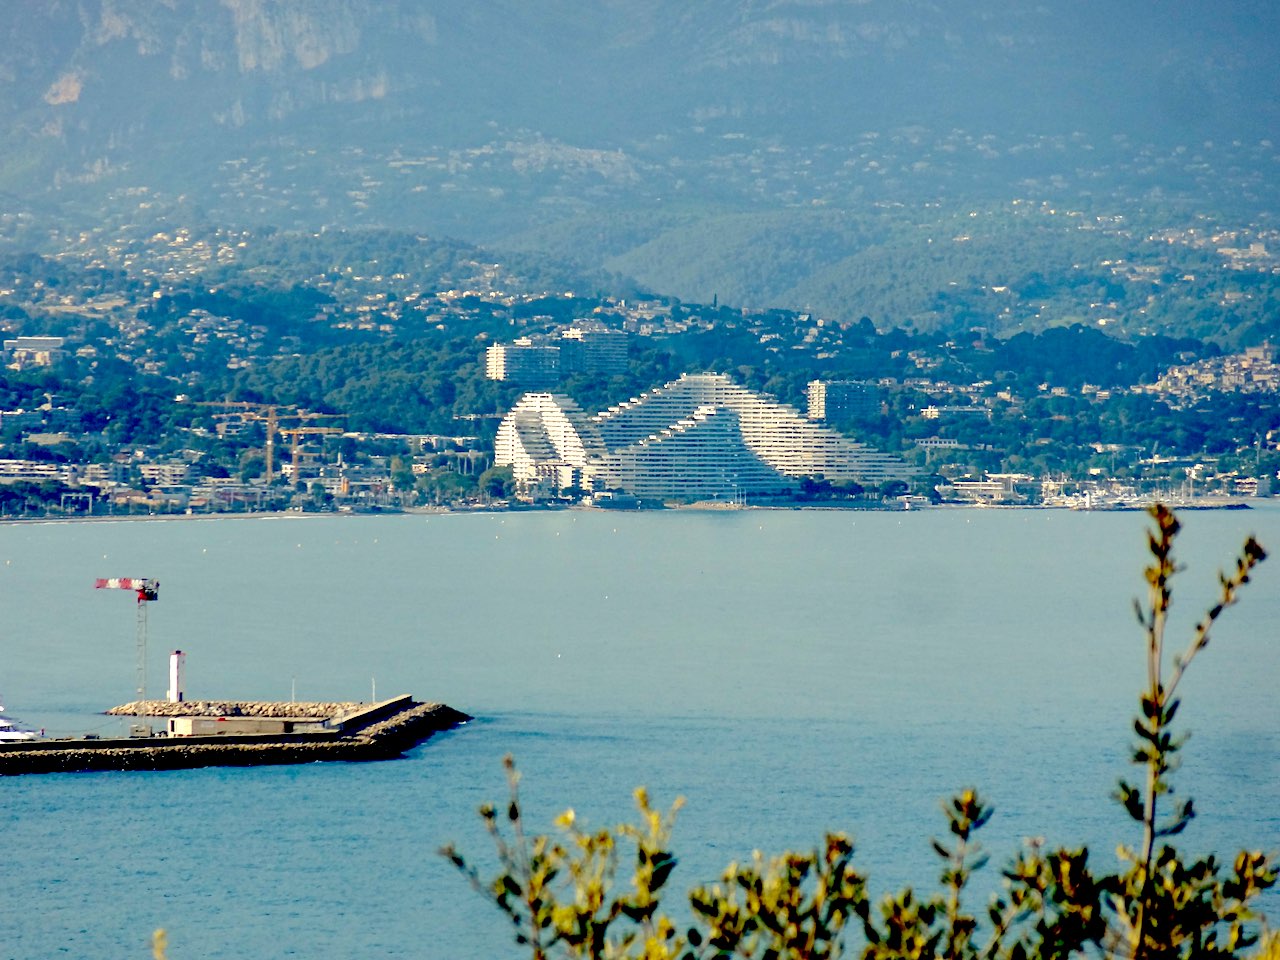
{"x": 1253, "y": 551}
{"x": 638, "y": 914}
{"x": 706, "y": 907}
{"x": 1131, "y": 799}
{"x": 1150, "y": 733}
{"x": 663, "y": 864}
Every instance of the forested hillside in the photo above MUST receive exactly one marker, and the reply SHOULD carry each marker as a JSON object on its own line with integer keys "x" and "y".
{"x": 899, "y": 160}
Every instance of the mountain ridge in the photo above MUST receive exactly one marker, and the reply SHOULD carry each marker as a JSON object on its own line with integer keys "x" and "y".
{"x": 99, "y": 74}
{"x": 523, "y": 127}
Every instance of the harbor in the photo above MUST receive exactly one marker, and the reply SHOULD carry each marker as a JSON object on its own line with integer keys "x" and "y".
{"x": 239, "y": 734}
{"x": 223, "y": 733}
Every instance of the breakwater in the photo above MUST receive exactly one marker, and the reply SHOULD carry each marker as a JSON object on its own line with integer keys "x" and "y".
{"x": 324, "y": 710}
{"x": 366, "y": 732}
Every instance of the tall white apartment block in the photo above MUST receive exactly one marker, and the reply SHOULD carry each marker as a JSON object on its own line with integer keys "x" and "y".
{"x": 836, "y": 400}
{"x": 591, "y": 347}
{"x": 523, "y": 362}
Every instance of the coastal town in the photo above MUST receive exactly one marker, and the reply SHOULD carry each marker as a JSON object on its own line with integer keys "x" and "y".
{"x": 130, "y": 390}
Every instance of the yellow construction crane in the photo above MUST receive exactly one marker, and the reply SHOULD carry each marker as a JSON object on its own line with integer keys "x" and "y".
{"x": 296, "y": 432}
{"x": 271, "y": 414}
{"x": 266, "y": 412}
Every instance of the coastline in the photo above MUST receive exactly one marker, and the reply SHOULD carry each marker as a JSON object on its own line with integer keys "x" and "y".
{"x": 1177, "y": 503}
{"x": 257, "y": 515}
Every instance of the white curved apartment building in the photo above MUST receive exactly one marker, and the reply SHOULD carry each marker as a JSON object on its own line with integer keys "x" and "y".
{"x": 698, "y": 437}
{"x": 547, "y": 441}
{"x": 699, "y": 457}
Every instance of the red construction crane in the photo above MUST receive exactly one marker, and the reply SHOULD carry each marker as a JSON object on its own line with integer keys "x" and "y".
{"x": 146, "y": 590}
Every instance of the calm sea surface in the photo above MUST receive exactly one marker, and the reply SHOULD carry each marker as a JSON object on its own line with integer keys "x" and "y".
{"x": 785, "y": 672}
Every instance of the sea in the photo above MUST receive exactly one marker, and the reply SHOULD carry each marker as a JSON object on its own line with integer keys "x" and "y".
{"x": 785, "y": 672}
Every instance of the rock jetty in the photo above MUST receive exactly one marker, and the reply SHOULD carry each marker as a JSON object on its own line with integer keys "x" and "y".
{"x": 235, "y": 708}
{"x": 353, "y": 732}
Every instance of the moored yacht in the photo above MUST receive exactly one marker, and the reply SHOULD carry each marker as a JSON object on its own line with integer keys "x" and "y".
{"x": 11, "y": 731}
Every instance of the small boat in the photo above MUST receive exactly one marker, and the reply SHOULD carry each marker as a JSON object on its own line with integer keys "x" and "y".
{"x": 10, "y": 731}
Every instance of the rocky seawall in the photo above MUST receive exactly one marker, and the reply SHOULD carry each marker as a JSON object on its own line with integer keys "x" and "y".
{"x": 235, "y": 708}
{"x": 380, "y": 732}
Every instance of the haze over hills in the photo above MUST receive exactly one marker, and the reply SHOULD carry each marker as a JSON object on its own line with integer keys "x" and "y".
{"x": 779, "y": 153}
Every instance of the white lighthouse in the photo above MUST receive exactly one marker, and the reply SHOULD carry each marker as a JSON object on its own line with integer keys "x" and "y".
{"x": 177, "y": 662}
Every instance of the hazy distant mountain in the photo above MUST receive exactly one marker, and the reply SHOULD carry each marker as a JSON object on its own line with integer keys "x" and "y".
{"x": 501, "y": 118}
{"x": 124, "y": 90}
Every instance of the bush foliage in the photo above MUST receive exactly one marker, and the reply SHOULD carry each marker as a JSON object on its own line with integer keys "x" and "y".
{"x": 566, "y": 895}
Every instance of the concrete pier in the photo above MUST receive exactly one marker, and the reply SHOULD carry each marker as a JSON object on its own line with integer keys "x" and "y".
{"x": 356, "y": 732}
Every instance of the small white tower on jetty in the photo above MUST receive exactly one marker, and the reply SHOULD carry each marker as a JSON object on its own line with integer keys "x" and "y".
{"x": 177, "y": 663}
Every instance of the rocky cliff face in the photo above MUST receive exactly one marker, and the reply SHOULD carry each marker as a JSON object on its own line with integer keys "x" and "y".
{"x": 189, "y": 95}
{"x": 232, "y": 61}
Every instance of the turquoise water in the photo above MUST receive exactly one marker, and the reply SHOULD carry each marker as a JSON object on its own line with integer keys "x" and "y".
{"x": 786, "y": 672}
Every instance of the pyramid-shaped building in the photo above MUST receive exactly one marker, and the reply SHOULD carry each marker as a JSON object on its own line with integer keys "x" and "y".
{"x": 699, "y": 437}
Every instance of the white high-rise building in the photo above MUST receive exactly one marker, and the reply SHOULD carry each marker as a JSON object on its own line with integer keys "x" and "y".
{"x": 591, "y": 347}
{"x": 836, "y": 400}
{"x": 586, "y": 347}
{"x": 698, "y": 437}
{"x": 523, "y": 362}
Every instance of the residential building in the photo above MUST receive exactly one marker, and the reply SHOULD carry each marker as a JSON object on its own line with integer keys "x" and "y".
{"x": 33, "y": 351}
{"x": 547, "y": 441}
{"x": 699, "y": 437}
{"x": 933, "y": 412}
{"x": 523, "y": 362}
{"x": 20, "y": 418}
{"x": 167, "y": 473}
{"x": 591, "y": 347}
{"x": 837, "y": 400}
{"x": 586, "y": 347}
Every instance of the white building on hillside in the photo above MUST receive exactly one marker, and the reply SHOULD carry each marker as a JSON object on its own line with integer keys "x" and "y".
{"x": 698, "y": 437}
{"x": 547, "y": 441}
{"x": 835, "y": 400}
{"x": 586, "y": 347}
{"x": 591, "y": 347}
{"x": 523, "y": 362}
{"x": 34, "y": 351}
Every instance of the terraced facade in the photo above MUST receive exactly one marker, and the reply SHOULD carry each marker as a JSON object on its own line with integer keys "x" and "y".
{"x": 699, "y": 437}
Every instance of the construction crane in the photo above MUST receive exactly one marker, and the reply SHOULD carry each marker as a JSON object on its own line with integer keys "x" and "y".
{"x": 271, "y": 414}
{"x": 267, "y": 412}
{"x": 146, "y": 591}
{"x": 296, "y": 432}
